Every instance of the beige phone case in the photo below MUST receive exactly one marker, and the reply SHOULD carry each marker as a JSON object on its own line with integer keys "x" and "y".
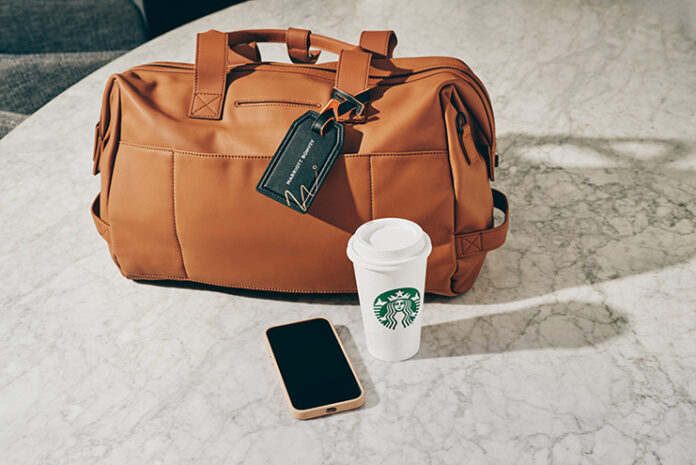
{"x": 322, "y": 409}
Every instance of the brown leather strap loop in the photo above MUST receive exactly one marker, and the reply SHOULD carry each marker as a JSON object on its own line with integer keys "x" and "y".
{"x": 297, "y": 41}
{"x": 380, "y": 43}
{"x": 352, "y": 75}
{"x": 210, "y": 75}
{"x": 353, "y": 71}
{"x": 488, "y": 239}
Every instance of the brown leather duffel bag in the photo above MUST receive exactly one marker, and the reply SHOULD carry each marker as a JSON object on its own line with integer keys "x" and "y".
{"x": 181, "y": 147}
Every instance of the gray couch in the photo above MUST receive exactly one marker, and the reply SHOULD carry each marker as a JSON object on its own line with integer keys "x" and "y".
{"x": 46, "y": 46}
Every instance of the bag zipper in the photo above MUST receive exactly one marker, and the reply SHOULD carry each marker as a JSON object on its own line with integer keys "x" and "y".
{"x": 189, "y": 67}
{"x": 472, "y": 80}
{"x": 275, "y": 102}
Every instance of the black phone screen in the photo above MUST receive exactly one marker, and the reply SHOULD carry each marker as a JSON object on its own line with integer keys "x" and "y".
{"x": 312, "y": 364}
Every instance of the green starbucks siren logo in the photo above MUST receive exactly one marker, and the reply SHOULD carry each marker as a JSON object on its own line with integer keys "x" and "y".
{"x": 400, "y": 304}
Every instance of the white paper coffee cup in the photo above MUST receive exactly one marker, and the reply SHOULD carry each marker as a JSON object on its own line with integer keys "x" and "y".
{"x": 389, "y": 257}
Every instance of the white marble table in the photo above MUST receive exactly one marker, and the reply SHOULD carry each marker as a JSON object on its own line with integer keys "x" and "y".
{"x": 576, "y": 345}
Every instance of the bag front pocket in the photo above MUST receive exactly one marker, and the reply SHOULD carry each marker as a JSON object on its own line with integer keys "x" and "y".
{"x": 141, "y": 213}
{"x": 473, "y": 198}
{"x": 232, "y": 235}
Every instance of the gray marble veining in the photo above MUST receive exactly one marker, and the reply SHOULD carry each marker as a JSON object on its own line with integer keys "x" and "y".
{"x": 575, "y": 346}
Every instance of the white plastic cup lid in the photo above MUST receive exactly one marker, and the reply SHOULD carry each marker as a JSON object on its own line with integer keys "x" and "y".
{"x": 388, "y": 242}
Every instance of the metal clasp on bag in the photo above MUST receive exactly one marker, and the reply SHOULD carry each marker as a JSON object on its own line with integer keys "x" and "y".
{"x": 339, "y": 104}
{"x": 460, "y": 122}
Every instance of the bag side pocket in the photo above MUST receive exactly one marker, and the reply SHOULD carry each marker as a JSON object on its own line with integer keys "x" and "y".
{"x": 473, "y": 205}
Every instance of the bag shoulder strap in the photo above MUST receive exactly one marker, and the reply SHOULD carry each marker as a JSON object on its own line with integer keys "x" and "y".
{"x": 477, "y": 242}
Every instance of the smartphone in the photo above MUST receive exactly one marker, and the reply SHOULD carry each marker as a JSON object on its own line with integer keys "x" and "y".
{"x": 315, "y": 373}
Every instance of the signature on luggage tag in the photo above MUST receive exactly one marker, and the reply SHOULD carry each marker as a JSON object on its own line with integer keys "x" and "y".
{"x": 307, "y": 153}
{"x": 301, "y": 163}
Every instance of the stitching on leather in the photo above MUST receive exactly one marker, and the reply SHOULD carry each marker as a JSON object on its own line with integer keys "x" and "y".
{"x": 164, "y": 149}
{"x": 475, "y": 240}
{"x": 473, "y": 254}
{"x": 195, "y": 76}
{"x": 396, "y": 154}
{"x": 473, "y": 247}
{"x": 481, "y": 233}
{"x": 274, "y": 102}
{"x": 197, "y": 94}
{"x": 206, "y": 104}
{"x": 223, "y": 72}
{"x": 357, "y": 155}
{"x": 219, "y": 155}
{"x": 176, "y": 234}
{"x": 319, "y": 73}
{"x": 338, "y": 71}
{"x": 473, "y": 244}
{"x": 345, "y": 155}
{"x": 222, "y": 79}
{"x": 372, "y": 202}
{"x": 341, "y": 78}
{"x": 368, "y": 58}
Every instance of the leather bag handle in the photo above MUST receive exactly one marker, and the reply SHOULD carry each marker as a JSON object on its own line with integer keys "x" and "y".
{"x": 477, "y": 242}
{"x": 299, "y": 38}
{"x": 218, "y": 52}
{"x": 299, "y": 42}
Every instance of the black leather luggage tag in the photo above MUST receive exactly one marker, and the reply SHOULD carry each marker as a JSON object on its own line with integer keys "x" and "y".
{"x": 300, "y": 165}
